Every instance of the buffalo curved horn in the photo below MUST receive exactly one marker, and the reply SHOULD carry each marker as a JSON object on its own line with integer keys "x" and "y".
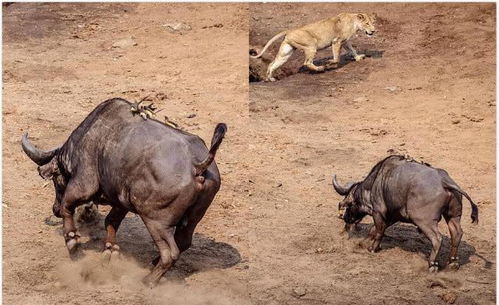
{"x": 38, "y": 156}
{"x": 342, "y": 190}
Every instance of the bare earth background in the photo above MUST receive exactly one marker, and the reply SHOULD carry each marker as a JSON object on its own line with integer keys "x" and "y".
{"x": 428, "y": 90}
{"x": 271, "y": 235}
{"x": 59, "y": 63}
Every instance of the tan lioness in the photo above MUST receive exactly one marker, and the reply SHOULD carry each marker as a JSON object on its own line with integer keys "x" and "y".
{"x": 334, "y": 32}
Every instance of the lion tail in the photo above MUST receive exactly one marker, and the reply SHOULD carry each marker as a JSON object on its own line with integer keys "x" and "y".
{"x": 271, "y": 41}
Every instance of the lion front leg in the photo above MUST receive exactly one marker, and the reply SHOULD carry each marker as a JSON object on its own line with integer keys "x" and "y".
{"x": 336, "y": 48}
{"x": 309, "y": 59}
{"x": 348, "y": 46}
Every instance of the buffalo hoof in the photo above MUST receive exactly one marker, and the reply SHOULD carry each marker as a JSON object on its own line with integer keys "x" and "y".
{"x": 433, "y": 267}
{"x": 372, "y": 250}
{"x": 106, "y": 256}
{"x": 454, "y": 266}
{"x": 149, "y": 282}
{"x": 111, "y": 252}
{"x": 73, "y": 245}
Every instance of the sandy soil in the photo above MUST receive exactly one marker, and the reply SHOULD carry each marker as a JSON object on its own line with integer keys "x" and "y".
{"x": 429, "y": 91}
{"x": 271, "y": 236}
{"x": 59, "y": 63}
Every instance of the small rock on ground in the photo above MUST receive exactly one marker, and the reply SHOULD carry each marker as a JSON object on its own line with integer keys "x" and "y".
{"x": 177, "y": 27}
{"x": 125, "y": 43}
{"x": 298, "y": 292}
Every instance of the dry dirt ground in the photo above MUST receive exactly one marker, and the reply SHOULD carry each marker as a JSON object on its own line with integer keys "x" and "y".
{"x": 59, "y": 62}
{"x": 271, "y": 235}
{"x": 428, "y": 90}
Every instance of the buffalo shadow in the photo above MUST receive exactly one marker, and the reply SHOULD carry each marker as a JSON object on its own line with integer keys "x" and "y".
{"x": 135, "y": 242}
{"x": 406, "y": 237}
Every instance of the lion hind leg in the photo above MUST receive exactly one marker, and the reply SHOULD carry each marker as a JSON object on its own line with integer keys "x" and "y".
{"x": 285, "y": 52}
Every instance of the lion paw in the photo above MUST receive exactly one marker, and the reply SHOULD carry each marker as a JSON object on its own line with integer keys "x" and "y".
{"x": 360, "y": 57}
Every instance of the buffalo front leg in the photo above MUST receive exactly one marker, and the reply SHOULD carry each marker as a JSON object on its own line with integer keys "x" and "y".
{"x": 75, "y": 194}
{"x": 378, "y": 232}
{"x": 372, "y": 234}
{"x": 163, "y": 236}
{"x": 430, "y": 229}
{"x": 456, "y": 233}
{"x": 112, "y": 223}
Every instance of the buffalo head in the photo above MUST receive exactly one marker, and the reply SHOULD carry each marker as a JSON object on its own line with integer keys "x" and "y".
{"x": 350, "y": 209}
{"x": 48, "y": 168}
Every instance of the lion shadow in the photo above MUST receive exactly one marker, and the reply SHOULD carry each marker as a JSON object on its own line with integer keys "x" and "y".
{"x": 407, "y": 238}
{"x": 345, "y": 59}
{"x": 258, "y": 67}
{"x": 135, "y": 242}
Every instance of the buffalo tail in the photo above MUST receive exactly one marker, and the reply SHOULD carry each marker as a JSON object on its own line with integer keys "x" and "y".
{"x": 218, "y": 136}
{"x": 474, "y": 209}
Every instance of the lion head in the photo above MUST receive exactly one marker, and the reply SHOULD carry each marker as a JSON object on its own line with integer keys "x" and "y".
{"x": 366, "y": 23}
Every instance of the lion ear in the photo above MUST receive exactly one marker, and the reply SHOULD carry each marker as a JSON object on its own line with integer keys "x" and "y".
{"x": 47, "y": 171}
{"x": 361, "y": 17}
{"x": 373, "y": 17}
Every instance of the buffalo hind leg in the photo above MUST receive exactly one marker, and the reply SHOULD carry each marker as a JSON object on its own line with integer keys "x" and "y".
{"x": 164, "y": 238}
{"x": 185, "y": 231}
{"x": 456, "y": 233}
{"x": 430, "y": 229}
{"x": 186, "y": 226}
{"x": 75, "y": 194}
{"x": 112, "y": 223}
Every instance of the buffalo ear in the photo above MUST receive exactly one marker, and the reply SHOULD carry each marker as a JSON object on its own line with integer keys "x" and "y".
{"x": 49, "y": 170}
